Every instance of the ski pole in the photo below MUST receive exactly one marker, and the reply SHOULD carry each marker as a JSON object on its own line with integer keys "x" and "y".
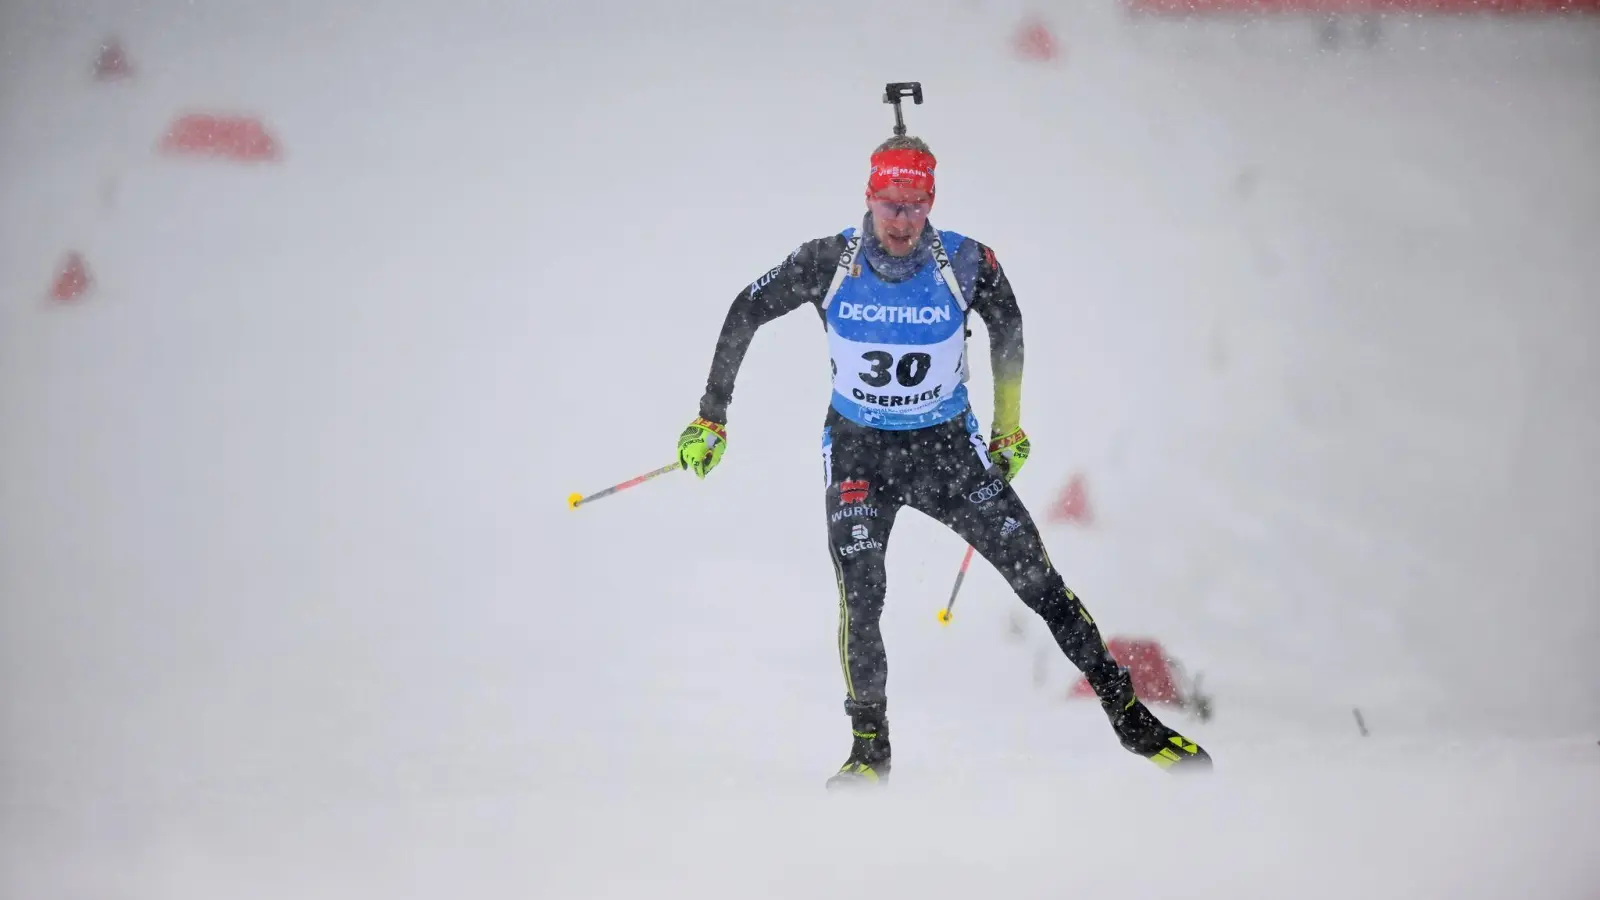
{"x": 945, "y": 614}
{"x": 576, "y": 500}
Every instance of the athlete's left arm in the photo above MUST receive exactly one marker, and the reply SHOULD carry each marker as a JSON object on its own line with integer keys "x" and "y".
{"x": 996, "y": 304}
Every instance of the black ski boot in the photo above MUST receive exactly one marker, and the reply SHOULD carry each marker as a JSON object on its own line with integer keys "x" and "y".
{"x": 869, "y": 751}
{"x": 1141, "y": 732}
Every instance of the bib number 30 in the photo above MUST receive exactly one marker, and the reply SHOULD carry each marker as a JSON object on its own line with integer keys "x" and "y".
{"x": 909, "y": 370}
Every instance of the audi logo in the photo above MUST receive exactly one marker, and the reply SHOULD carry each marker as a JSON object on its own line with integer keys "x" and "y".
{"x": 987, "y": 492}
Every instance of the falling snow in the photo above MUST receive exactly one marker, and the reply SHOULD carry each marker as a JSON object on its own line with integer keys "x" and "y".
{"x": 311, "y": 313}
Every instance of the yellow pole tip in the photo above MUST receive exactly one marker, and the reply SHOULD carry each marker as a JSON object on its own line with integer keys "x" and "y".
{"x": 944, "y": 617}
{"x": 573, "y": 501}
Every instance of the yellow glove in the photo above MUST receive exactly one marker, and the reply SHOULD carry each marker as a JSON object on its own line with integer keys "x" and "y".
{"x": 1010, "y": 451}
{"x": 700, "y": 446}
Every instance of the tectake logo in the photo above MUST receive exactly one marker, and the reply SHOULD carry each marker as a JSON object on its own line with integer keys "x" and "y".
{"x": 894, "y": 315}
{"x": 859, "y": 532}
{"x": 859, "y": 547}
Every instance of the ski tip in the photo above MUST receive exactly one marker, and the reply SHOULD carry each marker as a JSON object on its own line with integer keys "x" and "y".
{"x": 573, "y": 500}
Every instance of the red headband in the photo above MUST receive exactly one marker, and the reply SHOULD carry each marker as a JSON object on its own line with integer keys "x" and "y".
{"x": 910, "y": 168}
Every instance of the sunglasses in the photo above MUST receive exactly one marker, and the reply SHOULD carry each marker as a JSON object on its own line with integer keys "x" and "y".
{"x": 890, "y": 209}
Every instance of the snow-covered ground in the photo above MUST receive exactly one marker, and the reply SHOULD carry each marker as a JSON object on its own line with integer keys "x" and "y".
{"x": 291, "y": 603}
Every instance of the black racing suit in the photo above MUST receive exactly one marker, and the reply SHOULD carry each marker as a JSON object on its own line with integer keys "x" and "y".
{"x": 942, "y": 471}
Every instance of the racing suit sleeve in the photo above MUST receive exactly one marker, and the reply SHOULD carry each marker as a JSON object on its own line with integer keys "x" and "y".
{"x": 800, "y": 279}
{"x": 996, "y": 304}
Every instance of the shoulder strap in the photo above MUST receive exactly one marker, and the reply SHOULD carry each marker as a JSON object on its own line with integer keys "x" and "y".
{"x": 947, "y": 271}
{"x": 847, "y": 266}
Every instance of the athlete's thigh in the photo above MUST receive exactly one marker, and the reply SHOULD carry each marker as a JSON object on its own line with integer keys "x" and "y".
{"x": 861, "y": 496}
{"x": 960, "y": 488}
{"x": 949, "y": 470}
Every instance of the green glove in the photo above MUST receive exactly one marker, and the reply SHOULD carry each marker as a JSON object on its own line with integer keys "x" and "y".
{"x": 700, "y": 446}
{"x": 1010, "y": 451}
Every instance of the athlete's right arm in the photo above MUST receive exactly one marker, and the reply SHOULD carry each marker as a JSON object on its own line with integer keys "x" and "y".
{"x": 802, "y": 278}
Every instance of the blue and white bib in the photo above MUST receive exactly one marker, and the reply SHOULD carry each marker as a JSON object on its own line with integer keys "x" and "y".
{"x": 899, "y": 349}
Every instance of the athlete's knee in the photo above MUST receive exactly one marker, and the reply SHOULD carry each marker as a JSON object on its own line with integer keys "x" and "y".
{"x": 1026, "y": 567}
{"x": 1063, "y": 611}
{"x": 863, "y": 580}
{"x": 862, "y": 601}
{"x": 1033, "y": 578}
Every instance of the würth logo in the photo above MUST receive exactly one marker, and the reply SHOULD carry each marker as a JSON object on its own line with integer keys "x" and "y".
{"x": 853, "y": 491}
{"x": 854, "y": 512}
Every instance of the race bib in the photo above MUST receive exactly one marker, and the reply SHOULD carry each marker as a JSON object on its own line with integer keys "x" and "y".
{"x": 899, "y": 349}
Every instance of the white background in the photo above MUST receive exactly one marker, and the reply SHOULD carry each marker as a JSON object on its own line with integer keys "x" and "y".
{"x": 291, "y": 603}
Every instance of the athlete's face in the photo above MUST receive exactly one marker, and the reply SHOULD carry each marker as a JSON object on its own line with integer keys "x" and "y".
{"x": 898, "y": 214}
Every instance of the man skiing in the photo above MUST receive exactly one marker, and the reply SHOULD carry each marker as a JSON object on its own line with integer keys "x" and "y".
{"x": 893, "y": 296}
